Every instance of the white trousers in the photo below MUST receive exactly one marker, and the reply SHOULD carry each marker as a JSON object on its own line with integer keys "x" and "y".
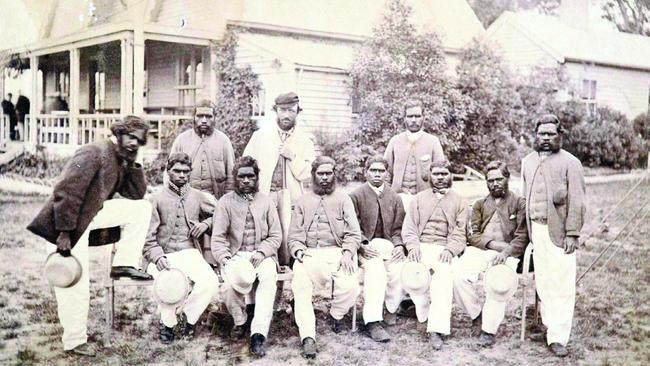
{"x": 264, "y": 291}
{"x": 555, "y": 280}
{"x": 435, "y": 306}
{"x": 318, "y": 271}
{"x": 381, "y": 284}
{"x": 205, "y": 289}
{"x": 73, "y": 302}
{"x": 472, "y": 263}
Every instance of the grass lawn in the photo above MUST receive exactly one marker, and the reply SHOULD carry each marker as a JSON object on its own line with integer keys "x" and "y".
{"x": 611, "y": 323}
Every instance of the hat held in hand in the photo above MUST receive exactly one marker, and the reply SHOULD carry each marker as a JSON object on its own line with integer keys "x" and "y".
{"x": 415, "y": 277}
{"x": 171, "y": 287}
{"x": 500, "y": 282}
{"x": 240, "y": 274}
{"x": 62, "y": 271}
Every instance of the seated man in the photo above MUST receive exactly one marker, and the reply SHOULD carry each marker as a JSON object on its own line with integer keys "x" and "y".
{"x": 381, "y": 214}
{"x": 497, "y": 235}
{"x": 173, "y": 242}
{"x": 324, "y": 237}
{"x": 246, "y": 224}
{"x": 434, "y": 234}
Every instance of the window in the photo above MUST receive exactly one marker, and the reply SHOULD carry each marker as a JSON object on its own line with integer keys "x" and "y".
{"x": 588, "y": 95}
{"x": 258, "y": 104}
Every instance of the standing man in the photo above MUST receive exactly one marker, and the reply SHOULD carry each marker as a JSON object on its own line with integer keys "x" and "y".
{"x": 180, "y": 216}
{"x": 22, "y": 109}
{"x": 434, "y": 234}
{"x": 381, "y": 214}
{"x": 497, "y": 235}
{"x": 82, "y": 201}
{"x": 324, "y": 238}
{"x": 284, "y": 153}
{"x": 554, "y": 188}
{"x": 9, "y": 110}
{"x": 209, "y": 149}
{"x": 410, "y": 153}
{"x": 246, "y": 226}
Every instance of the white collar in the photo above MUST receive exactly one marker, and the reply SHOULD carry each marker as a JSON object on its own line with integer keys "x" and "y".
{"x": 414, "y": 136}
{"x": 377, "y": 190}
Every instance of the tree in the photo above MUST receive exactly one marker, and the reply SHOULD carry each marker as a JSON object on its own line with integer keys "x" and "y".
{"x": 631, "y": 16}
{"x": 488, "y": 11}
{"x": 397, "y": 64}
{"x": 494, "y": 113}
{"x": 237, "y": 86}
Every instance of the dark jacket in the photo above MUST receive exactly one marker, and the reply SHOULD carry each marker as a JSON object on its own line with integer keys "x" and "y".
{"x": 22, "y": 105}
{"x": 165, "y": 203}
{"x": 93, "y": 175}
{"x": 565, "y": 192}
{"x": 512, "y": 214}
{"x": 368, "y": 204}
{"x": 229, "y": 222}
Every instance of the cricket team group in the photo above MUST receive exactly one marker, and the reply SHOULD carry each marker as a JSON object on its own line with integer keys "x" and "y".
{"x": 228, "y": 224}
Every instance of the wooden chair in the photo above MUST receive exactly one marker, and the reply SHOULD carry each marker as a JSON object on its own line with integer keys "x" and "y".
{"x": 110, "y": 236}
{"x": 528, "y": 279}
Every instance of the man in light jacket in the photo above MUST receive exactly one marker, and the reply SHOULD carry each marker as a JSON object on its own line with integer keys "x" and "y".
{"x": 434, "y": 234}
{"x": 209, "y": 149}
{"x": 284, "y": 153}
{"x": 410, "y": 153}
{"x": 180, "y": 216}
{"x": 554, "y": 187}
{"x": 324, "y": 238}
{"x": 246, "y": 225}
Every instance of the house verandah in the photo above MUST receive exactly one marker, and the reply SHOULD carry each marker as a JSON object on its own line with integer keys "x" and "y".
{"x": 83, "y": 82}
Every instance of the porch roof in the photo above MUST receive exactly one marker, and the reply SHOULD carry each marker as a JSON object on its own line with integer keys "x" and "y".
{"x": 112, "y": 32}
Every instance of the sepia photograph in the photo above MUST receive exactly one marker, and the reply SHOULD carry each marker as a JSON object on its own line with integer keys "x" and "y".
{"x": 325, "y": 182}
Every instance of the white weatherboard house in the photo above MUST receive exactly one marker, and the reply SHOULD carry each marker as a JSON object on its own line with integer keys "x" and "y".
{"x": 606, "y": 67}
{"x": 110, "y": 58}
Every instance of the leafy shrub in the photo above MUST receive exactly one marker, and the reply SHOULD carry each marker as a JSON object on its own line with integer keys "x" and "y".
{"x": 642, "y": 125}
{"x": 349, "y": 153}
{"x": 607, "y": 138}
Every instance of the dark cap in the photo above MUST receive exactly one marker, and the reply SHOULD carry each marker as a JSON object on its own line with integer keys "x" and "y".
{"x": 289, "y": 99}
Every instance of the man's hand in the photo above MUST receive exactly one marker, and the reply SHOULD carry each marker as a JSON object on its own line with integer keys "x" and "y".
{"x": 446, "y": 256}
{"x": 497, "y": 245}
{"x": 347, "y": 264}
{"x": 287, "y": 153}
{"x": 397, "y": 255}
{"x": 300, "y": 254}
{"x": 162, "y": 263}
{"x": 570, "y": 244}
{"x": 499, "y": 259}
{"x": 257, "y": 258}
{"x": 198, "y": 230}
{"x": 63, "y": 244}
{"x": 414, "y": 254}
{"x": 224, "y": 262}
{"x": 368, "y": 252}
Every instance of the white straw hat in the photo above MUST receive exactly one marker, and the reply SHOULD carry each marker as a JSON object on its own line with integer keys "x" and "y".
{"x": 240, "y": 274}
{"x": 171, "y": 287}
{"x": 415, "y": 277}
{"x": 500, "y": 282}
{"x": 62, "y": 271}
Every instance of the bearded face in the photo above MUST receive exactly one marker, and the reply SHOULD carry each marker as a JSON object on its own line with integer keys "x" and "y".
{"x": 547, "y": 138}
{"x": 286, "y": 116}
{"x": 497, "y": 183}
{"x": 323, "y": 178}
{"x": 246, "y": 181}
{"x": 204, "y": 121}
{"x": 440, "y": 178}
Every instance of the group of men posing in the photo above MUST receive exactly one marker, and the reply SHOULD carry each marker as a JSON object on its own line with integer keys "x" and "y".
{"x": 407, "y": 211}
